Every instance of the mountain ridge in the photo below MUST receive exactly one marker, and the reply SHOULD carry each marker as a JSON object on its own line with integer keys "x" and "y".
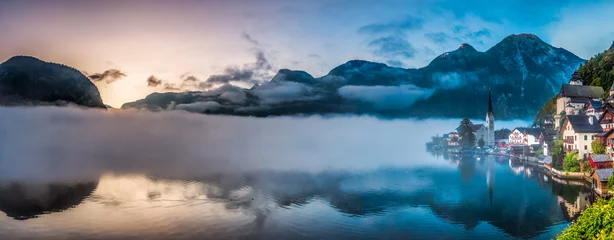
{"x": 522, "y": 71}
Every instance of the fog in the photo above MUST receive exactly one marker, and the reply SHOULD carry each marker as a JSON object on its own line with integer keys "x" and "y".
{"x": 55, "y": 144}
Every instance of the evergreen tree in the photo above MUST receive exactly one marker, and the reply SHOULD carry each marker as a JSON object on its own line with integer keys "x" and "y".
{"x": 467, "y": 137}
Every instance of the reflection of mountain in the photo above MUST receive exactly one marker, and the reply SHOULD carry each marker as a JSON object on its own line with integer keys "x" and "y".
{"x": 26, "y": 201}
{"x": 527, "y": 212}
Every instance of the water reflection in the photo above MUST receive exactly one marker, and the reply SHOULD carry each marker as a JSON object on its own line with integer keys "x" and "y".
{"x": 25, "y": 201}
{"x": 516, "y": 200}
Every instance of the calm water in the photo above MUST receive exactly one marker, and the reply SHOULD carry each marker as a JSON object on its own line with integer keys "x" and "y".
{"x": 463, "y": 198}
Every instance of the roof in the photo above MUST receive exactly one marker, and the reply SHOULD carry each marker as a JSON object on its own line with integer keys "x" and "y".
{"x": 533, "y": 131}
{"x": 604, "y": 173}
{"x": 579, "y": 100}
{"x": 576, "y": 77}
{"x": 446, "y": 135}
{"x": 548, "y": 160}
{"x": 502, "y": 134}
{"x": 580, "y": 91}
{"x": 601, "y": 158}
{"x": 580, "y": 124}
{"x": 475, "y": 127}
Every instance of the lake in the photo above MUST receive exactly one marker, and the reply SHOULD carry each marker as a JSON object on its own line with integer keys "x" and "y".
{"x": 87, "y": 174}
{"x": 466, "y": 197}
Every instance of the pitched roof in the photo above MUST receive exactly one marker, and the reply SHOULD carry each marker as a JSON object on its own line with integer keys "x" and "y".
{"x": 580, "y": 91}
{"x": 576, "y": 77}
{"x": 477, "y": 126}
{"x": 604, "y": 173}
{"x": 502, "y": 133}
{"x": 601, "y": 158}
{"x": 580, "y": 124}
{"x": 533, "y": 131}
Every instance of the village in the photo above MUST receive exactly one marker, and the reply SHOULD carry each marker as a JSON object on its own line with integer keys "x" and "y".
{"x": 576, "y": 143}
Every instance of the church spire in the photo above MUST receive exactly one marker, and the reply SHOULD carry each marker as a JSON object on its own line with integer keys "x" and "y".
{"x": 489, "y": 102}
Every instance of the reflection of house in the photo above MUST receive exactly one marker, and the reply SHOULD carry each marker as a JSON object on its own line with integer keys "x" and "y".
{"x": 572, "y": 211}
{"x": 599, "y": 161}
{"x": 600, "y": 180}
{"x": 574, "y": 96}
{"x": 578, "y": 133}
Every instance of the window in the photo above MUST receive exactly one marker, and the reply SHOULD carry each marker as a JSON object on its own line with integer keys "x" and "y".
{"x": 575, "y": 138}
{"x": 585, "y": 147}
{"x": 593, "y": 137}
{"x": 585, "y": 137}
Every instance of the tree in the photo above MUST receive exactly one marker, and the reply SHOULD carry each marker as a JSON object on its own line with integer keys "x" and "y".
{"x": 467, "y": 137}
{"x": 556, "y": 151}
{"x": 611, "y": 182}
{"x": 481, "y": 142}
{"x": 598, "y": 147}
{"x": 570, "y": 162}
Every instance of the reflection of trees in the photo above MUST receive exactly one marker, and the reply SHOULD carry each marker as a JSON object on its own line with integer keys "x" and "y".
{"x": 25, "y": 201}
{"x": 466, "y": 167}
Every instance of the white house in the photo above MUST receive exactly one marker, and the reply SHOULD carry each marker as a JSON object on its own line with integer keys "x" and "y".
{"x": 579, "y": 132}
{"x": 574, "y": 96}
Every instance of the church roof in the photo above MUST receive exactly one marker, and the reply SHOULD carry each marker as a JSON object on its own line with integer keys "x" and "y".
{"x": 580, "y": 91}
{"x": 489, "y": 102}
{"x": 612, "y": 88}
{"x": 576, "y": 77}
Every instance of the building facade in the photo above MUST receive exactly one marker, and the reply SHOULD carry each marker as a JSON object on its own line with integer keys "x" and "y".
{"x": 578, "y": 132}
{"x": 573, "y": 97}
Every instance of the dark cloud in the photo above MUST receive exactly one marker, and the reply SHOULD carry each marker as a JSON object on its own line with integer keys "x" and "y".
{"x": 409, "y": 23}
{"x": 171, "y": 87}
{"x": 249, "y": 38}
{"x": 153, "y": 81}
{"x": 107, "y": 76}
{"x": 392, "y": 47}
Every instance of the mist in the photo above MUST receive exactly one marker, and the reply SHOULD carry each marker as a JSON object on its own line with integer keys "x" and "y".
{"x": 54, "y": 144}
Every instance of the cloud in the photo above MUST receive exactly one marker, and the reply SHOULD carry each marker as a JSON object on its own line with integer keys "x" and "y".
{"x": 450, "y": 80}
{"x": 249, "y": 38}
{"x": 386, "y": 97}
{"x": 108, "y": 76}
{"x": 153, "y": 81}
{"x": 409, "y": 23}
{"x": 283, "y": 91}
{"x": 392, "y": 47}
{"x": 200, "y": 107}
{"x": 176, "y": 143}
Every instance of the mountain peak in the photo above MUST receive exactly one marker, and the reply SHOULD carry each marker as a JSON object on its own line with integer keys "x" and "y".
{"x": 523, "y": 36}
{"x": 467, "y": 48}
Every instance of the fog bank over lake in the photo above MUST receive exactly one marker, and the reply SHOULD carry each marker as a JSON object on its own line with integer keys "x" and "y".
{"x": 68, "y": 144}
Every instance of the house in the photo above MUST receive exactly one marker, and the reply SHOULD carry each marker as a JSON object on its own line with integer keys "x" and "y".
{"x": 502, "y": 137}
{"x": 607, "y": 120}
{"x": 479, "y": 130}
{"x": 516, "y": 137}
{"x": 574, "y": 96}
{"x": 594, "y": 108}
{"x": 599, "y": 161}
{"x": 451, "y": 139}
{"x": 531, "y": 136}
{"x": 547, "y": 161}
{"x": 578, "y": 133}
{"x": 524, "y": 136}
{"x": 548, "y": 122}
{"x": 546, "y": 137}
{"x": 607, "y": 139}
{"x": 600, "y": 180}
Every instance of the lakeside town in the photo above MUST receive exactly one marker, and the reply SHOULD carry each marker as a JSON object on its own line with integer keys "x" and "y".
{"x": 576, "y": 143}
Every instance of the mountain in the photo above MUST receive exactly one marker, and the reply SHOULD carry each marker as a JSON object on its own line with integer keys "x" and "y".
{"x": 522, "y": 71}
{"x": 30, "y": 81}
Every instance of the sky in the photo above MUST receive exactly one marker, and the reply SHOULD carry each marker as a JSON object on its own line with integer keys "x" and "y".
{"x": 206, "y": 40}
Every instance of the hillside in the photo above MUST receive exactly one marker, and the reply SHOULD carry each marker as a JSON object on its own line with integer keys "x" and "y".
{"x": 30, "y": 81}
{"x": 522, "y": 71}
